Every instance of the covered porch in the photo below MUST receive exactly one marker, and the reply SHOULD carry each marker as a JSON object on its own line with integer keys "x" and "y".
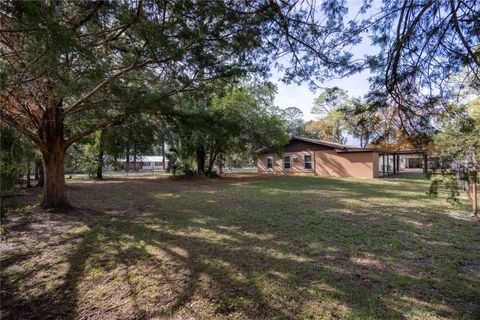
{"x": 393, "y": 162}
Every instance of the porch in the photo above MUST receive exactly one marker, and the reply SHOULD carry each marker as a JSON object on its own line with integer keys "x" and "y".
{"x": 402, "y": 161}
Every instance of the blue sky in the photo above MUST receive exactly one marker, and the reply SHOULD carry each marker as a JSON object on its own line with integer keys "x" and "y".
{"x": 302, "y": 97}
{"x": 357, "y": 85}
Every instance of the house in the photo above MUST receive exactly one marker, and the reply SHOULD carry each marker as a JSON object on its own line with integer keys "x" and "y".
{"x": 144, "y": 163}
{"x": 317, "y": 157}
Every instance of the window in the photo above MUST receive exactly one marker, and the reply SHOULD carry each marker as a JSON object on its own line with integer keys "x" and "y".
{"x": 158, "y": 164}
{"x": 286, "y": 162}
{"x": 308, "y": 162}
{"x": 269, "y": 162}
{"x": 146, "y": 164}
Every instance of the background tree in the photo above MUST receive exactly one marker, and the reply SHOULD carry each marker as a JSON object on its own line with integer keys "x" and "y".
{"x": 361, "y": 121}
{"x": 17, "y": 156}
{"x": 293, "y": 118}
{"x": 331, "y": 124}
{"x": 459, "y": 141}
{"x": 234, "y": 119}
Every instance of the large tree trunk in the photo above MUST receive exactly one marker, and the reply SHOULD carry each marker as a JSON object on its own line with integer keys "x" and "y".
{"x": 200, "y": 160}
{"x": 100, "y": 156}
{"x": 53, "y": 147}
{"x": 54, "y": 174}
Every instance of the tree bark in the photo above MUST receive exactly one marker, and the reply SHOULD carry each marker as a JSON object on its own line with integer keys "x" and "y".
{"x": 54, "y": 174}
{"x": 211, "y": 161}
{"x": 100, "y": 155}
{"x": 200, "y": 159}
{"x": 53, "y": 147}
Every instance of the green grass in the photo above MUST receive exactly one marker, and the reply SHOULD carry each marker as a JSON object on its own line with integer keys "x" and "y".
{"x": 244, "y": 247}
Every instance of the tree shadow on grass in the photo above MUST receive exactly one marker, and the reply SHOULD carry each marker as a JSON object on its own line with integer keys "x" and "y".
{"x": 194, "y": 259}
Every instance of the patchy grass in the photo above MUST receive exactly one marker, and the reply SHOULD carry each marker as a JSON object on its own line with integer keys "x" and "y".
{"x": 244, "y": 247}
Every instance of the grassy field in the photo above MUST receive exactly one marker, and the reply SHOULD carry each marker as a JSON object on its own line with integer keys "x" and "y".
{"x": 243, "y": 247}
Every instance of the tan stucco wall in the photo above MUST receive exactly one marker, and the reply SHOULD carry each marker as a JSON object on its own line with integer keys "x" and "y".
{"x": 297, "y": 166}
{"x": 325, "y": 163}
{"x": 352, "y": 164}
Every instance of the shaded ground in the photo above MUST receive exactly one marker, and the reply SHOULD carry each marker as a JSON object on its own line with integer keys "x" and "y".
{"x": 244, "y": 247}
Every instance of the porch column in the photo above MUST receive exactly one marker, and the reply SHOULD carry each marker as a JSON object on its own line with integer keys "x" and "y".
{"x": 383, "y": 164}
{"x": 394, "y": 164}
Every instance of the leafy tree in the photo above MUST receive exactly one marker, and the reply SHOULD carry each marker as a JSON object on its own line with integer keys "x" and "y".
{"x": 293, "y": 118}
{"x": 361, "y": 121}
{"x": 229, "y": 122}
{"x": 72, "y": 68}
{"x": 16, "y": 157}
{"x": 328, "y": 105}
{"x": 314, "y": 130}
{"x": 330, "y": 100}
{"x": 459, "y": 140}
{"x": 135, "y": 137}
{"x": 459, "y": 136}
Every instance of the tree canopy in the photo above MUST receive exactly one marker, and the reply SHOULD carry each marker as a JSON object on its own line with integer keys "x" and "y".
{"x": 70, "y": 68}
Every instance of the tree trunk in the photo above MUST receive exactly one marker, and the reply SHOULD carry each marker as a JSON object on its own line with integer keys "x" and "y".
{"x": 29, "y": 171}
{"x": 54, "y": 174}
{"x": 35, "y": 171}
{"x": 100, "y": 155}
{"x": 53, "y": 147}
{"x": 472, "y": 186}
{"x": 200, "y": 160}
{"x": 211, "y": 162}
{"x": 127, "y": 160}
{"x": 135, "y": 158}
{"x": 221, "y": 164}
{"x": 367, "y": 138}
{"x": 163, "y": 153}
{"x": 41, "y": 174}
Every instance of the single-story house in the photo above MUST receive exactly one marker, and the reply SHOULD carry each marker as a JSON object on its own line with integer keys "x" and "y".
{"x": 323, "y": 158}
{"x": 144, "y": 163}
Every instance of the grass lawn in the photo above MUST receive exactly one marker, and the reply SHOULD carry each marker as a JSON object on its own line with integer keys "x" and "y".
{"x": 243, "y": 247}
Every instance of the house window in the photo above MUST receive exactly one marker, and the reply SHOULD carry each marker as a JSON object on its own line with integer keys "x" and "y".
{"x": 269, "y": 162}
{"x": 146, "y": 164}
{"x": 308, "y": 162}
{"x": 158, "y": 164}
{"x": 286, "y": 162}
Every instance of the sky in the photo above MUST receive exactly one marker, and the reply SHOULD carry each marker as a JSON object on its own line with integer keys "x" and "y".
{"x": 302, "y": 97}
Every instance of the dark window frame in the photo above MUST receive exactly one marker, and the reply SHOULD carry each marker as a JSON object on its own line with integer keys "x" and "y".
{"x": 309, "y": 162}
{"x": 289, "y": 162}
{"x": 270, "y": 163}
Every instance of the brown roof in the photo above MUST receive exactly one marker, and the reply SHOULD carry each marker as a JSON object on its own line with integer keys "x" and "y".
{"x": 325, "y": 143}
{"x": 337, "y": 146}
